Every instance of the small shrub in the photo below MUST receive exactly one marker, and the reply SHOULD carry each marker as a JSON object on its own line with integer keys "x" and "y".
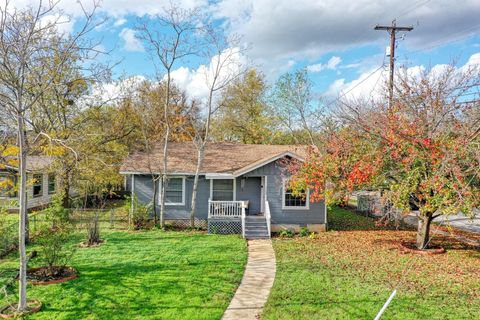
{"x": 139, "y": 217}
{"x": 53, "y": 238}
{"x": 303, "y": 232}
{"x": 93, "y": 232}
{"x": 286, "y": 233}
{"x": 55, "y": 212}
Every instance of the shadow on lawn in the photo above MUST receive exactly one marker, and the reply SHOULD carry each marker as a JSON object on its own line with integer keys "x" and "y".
{"x": 349, "y": 309}
{"x": 148, "y": 284}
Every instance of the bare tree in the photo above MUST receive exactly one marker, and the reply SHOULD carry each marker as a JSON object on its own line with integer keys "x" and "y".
{"x": 29, "y": 37}
{"x": 226, "y": 66}
{"x": 169, "y": 37}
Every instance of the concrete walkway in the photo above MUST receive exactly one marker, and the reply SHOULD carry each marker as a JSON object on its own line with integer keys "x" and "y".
{"x": 252, "y": 294}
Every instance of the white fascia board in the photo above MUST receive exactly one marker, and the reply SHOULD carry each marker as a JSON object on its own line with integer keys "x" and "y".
{"x": 158, "y": 173}
{"x": 219, "y": 176}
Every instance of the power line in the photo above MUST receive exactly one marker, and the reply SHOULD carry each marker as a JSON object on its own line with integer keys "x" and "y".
{"x": 418, "y": 5}
{"x": 442, "y": 42}
{"x": 343, "y": 94}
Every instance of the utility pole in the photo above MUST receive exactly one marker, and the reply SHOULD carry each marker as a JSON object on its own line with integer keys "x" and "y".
{"x": 393, "y": 29}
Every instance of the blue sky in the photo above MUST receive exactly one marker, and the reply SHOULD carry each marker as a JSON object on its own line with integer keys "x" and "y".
{"x": 334, "y": 39}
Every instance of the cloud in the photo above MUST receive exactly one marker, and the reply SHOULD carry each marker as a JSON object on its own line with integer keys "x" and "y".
{"x": 279, "y": 30}
{"x": 330, "y": 65}
{"x": 131, "y": 43}
{"x": 372, "y": 83}
{"x": 113, "y": 8}
{"x": 333, "y": 62}
{"x": 196, "y": 82}
{"x": 314, "y": 68}
{"x": 113, "y": 91}
{"x": 120, "y": 22}
{"x": 64, "y": 23}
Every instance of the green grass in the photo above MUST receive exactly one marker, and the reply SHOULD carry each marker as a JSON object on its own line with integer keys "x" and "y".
{"x": 349, "y": 274}
{"x": 144, "y": 275}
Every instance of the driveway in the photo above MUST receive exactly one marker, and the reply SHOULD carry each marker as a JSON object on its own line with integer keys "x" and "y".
{"x": 458, "y": 221}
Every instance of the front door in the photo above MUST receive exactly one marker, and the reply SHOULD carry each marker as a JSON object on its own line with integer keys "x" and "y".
{"x": 250, "y": 188}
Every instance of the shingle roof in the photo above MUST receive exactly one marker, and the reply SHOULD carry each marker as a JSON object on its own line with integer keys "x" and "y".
{"x": 39, "y": 163}
{"x": 220, "y": 157}
{"x": 34, "y": 163}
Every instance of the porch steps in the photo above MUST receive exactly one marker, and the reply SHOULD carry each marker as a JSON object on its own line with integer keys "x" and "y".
{"x": 256, "y": 228}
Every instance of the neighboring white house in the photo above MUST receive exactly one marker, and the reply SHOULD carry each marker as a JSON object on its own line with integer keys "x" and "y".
{"x": 42, "y": 183}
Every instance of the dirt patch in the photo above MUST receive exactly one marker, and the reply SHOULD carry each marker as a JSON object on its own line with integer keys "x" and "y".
{"x": 410, "y": 247}
{"x": 10, "y": 311}
{"x": 43, "y": 276}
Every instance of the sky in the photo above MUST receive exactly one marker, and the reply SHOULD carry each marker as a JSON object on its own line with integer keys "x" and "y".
{"x": 334, "y": 40}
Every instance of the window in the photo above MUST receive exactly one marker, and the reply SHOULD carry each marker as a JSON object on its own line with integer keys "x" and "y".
{"x": 37, "y": 185}
{"x": 7, "y": 186}
{"x": 223, "y": 189}
{"x": 297, "y": 201}
{"x": 51, "y": 183}
{"x": 175, "y": 191}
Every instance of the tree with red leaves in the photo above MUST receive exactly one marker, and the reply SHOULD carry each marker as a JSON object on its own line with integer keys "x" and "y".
{"x": 424, "y": 151}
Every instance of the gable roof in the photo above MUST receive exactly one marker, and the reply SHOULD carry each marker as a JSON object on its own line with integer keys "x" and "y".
{"x": 220, "y": 158}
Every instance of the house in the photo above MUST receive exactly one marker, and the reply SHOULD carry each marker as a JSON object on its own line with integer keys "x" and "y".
{"x": 41, "y": 186}
{"x": 242, "y": 188}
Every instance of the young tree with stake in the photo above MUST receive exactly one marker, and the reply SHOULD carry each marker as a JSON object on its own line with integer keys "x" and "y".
{"x": 226, "y": 66}
{"x": 28, "y": 39}
{"x": 169, "y": 37}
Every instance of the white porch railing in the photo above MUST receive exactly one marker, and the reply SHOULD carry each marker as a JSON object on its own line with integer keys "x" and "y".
{"x": 227, "y": 209}
{"x": 243, "y": 221}
{"x": 268, "y": 218}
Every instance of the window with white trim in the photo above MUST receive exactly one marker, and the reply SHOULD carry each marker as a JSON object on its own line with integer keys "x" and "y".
{"x": 294, "y": 201}
{"x": 51, "y": 183}
{"x": 223, "y": 189}
{"x": 175, "y": 191}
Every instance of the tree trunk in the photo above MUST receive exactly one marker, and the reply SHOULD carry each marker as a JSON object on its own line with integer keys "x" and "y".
{"x": 162, "y": 201}
{"x": 423, "y": 233}
{"x": 201, "y": 155}
{"x": 155, "y": 192}
{"x": 22, "y": 203}
{"x": 66, "y": 190}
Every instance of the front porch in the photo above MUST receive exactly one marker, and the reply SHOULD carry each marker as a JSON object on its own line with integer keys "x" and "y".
{"x": 234, "y": 217}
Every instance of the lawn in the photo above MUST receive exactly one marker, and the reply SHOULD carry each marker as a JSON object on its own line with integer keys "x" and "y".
{"x": 349, "y": 274}
{"x": 144, "y": 275}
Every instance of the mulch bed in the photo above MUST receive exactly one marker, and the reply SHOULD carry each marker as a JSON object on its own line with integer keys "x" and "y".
{"x": 86, "y": 245}
{"x": 410, "y": 247}
{"x": 10, "y": 311}
{"x": 42, "y": 276}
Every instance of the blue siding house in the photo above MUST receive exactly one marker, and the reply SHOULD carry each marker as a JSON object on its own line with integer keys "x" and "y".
{"x": 242, "y": 188}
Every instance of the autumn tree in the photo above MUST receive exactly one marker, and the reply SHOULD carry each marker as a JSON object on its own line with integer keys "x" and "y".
{"x": 423, "y": 151}
{"x": 243, "y": 114}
